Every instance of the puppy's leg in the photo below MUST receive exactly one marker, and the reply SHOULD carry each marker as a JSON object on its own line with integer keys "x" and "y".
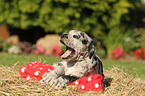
{"x": 58, "y": 71}
{"x": 61, "y": 81}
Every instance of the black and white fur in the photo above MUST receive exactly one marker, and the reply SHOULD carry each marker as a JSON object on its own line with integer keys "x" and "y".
{"x": 80, "y": 63}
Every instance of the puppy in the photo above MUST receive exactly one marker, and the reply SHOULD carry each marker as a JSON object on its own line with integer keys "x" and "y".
{"x": 79, "y": 60}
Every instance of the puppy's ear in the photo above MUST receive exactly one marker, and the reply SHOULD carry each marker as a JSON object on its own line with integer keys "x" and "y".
{"x": 91, "y": 49}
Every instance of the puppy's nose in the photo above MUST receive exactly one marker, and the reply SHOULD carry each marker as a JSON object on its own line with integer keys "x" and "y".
{"x": 64, "y": 35}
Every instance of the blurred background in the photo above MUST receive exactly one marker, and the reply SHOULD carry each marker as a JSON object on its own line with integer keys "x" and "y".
{"x": 33, "y": 26}
{"x": 30, "y": 29}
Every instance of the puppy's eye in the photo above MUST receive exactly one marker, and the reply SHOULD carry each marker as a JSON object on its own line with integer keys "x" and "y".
{"x": 75, "y": 36}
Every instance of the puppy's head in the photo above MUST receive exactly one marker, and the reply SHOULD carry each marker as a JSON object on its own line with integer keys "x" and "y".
{"x": 78, "y": 45}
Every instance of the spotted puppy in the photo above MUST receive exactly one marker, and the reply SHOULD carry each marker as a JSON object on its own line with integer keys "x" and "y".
{"x": 79, "y": 60}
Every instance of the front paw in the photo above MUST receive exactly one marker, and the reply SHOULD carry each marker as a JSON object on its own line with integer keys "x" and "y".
{"x": 47, "y": 77}
{"x": 58, "y": 83}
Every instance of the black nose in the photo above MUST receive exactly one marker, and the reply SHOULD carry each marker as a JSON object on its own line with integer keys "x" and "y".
{"x": 64, "y": 35}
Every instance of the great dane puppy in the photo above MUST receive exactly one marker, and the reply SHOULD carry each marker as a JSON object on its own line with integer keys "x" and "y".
{"x": 79, "y": 60}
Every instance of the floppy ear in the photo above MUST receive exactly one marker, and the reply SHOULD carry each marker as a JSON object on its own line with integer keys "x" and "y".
{"x": 91, "y": 49}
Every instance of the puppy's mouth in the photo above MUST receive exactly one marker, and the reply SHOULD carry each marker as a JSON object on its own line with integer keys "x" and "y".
{"x": 69, "y": 52}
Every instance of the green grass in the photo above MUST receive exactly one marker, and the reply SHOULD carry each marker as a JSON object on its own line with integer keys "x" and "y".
{"x": 11, "y": 59}
{"x": 137, "y": 68}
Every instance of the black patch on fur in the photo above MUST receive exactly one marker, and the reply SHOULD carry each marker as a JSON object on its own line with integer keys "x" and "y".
{"x": 84, "y": 41}
{"x": 62, "y": 42}
{"x": 91, "y": 54}
{"x": 70, "y": 78}
{"x": 91, "y": 49}
{"x": 55, "y": 72}
{"x": 98, "y": 65}
{"x": 82, "y": 54}
{"x": 90, "y": 46}
{"x": 82, "y": 34}
{"x": 59, "y": 64}
{"x": 64, "y": 35}
{"x": 94, "y": 58}
{"x": 77, "y": 37}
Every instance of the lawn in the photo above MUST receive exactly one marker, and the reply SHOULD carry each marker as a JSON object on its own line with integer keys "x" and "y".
{"x": 130, "y": 66}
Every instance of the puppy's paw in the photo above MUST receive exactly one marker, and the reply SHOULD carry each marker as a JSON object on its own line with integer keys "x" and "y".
{"x": 47, "y": 77}
{"x": 58, "y": 83}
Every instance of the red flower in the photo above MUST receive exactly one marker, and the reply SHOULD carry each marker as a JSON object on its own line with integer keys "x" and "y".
{"x": 118, "y": 52}
{"x": 143, "y": 55}
{"x": 56, "y": 51}
{"x": 46, "y": 52}
{"x": 142, "y": 50}
{"x": 139, "y": 53}
{"x": 136, "y": 53}
{"x": 41, "y": 50}
{"x": 36, "y": 52}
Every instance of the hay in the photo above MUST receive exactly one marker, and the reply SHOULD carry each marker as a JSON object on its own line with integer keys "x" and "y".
{"x": 117, "y": 83}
